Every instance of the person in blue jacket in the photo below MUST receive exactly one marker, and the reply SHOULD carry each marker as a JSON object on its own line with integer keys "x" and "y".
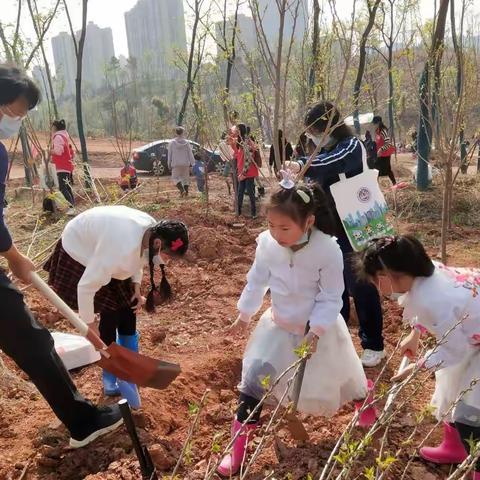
{"x": 341, "y": 152}
{"x": 24, "y": 340}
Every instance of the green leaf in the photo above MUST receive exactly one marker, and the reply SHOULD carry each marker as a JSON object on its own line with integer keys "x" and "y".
{"x": 369, "y": 473}
{"x": 193, "y": 408}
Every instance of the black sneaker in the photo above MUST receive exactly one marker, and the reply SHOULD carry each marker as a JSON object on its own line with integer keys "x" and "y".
{"x": 107, "y": 420}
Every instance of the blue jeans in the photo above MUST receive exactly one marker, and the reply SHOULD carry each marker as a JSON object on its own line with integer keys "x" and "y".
{"x": 366, "y": 299}
{"x": 247, "y": 185}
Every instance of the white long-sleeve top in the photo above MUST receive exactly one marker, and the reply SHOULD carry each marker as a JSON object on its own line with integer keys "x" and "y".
{"x": 107, "y": 241}
{"x": 305, "y": 285}
{"x": 438, "y": 303}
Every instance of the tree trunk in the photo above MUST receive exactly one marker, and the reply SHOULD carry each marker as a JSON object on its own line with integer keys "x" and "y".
{"x": 312, "y": 78}
{"x": 447, "y": 196}
{"x": 425, "y": 126}
{"x": 361, "y": 63}
{"x": 190, "y": 79}
{"x": 230, "y": 62}
{"x": 78, "y": 97}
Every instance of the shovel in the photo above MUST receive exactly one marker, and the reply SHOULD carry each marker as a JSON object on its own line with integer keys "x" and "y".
{"x": 144, "y": 459}
{"x": 403, "y": 365}
{"x": 123, "y": 363}
{"x": 294, "y": 425}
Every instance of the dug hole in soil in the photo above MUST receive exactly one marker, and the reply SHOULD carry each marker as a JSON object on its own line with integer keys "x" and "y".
{"x": 191, "y": 330}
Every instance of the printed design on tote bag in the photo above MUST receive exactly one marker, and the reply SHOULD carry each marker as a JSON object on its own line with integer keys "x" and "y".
{"x": 364, "y": 195}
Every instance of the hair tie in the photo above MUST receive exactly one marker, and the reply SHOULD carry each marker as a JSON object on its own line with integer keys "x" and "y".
{"x": 176, "y": 244}
{"x": 288, "y": 179}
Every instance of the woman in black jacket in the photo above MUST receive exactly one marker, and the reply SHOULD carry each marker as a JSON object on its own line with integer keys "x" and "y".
{"x": 286, "y": 152}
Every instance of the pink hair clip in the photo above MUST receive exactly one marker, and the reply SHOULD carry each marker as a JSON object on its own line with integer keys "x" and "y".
{"x": 176, "y": 244}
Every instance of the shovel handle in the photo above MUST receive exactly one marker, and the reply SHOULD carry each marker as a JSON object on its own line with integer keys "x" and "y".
{"x": 69, "y": 314}
{"x": 297, "y": 386}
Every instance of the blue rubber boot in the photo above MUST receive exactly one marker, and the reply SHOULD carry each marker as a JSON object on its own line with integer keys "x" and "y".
{"x": 110, "y": 385}
{"x": 129, "y": 391}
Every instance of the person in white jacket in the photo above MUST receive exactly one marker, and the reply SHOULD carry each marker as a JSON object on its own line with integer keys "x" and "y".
{"x": 301, "y": 264}
{"x": 97, "y": 267}
{"x": 445, "y": 302}
{"x": 180, "y": 160}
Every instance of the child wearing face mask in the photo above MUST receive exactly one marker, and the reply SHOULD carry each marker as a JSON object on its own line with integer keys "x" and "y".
{"x": 341, "y": 153}
{"x": 443, "y": 301}
{"x": 301, "y": 264}
{"x": 97, "y": 267}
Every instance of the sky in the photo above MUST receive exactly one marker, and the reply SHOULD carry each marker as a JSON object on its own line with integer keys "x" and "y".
{"x": 110, "y": 13}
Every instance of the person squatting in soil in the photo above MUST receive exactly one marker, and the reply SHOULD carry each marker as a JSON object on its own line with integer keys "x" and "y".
{"x": 97, "y": 267}
{"x": 247, "y": 170}
{"x": 444, "y": 302}
{"x": 301, "y": 264}
{"x": 341, "y": 152}
{"x": 180, "y": 160}
{"x": 22, "y": 338}
{"x": 62, "y": 158}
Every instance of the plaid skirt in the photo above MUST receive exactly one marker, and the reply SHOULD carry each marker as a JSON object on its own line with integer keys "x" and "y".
{"x": 64, "y": 273}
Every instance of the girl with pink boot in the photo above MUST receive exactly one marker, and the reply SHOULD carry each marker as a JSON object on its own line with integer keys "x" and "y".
{"x": 443, "y": 301}
{"x": 300, "y": 262}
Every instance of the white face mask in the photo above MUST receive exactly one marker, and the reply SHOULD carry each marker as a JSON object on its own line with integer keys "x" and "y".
{"x": 317, "y": 139}
{"x": 158, "y": 260}
{"x": 303, "y": 238}
{"x": 9, "y": 126}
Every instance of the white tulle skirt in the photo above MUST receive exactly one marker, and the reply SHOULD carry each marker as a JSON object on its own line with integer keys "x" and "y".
{"x": 451, "y": 382}
{"x": 333, "y": 376}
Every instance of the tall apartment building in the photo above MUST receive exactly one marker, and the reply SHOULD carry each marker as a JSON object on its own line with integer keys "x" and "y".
{"x": 65, "y": 63}
{"x": 271, "y": 20}
{"x": 97, "y": 53}
{"x": 155, "y": 30}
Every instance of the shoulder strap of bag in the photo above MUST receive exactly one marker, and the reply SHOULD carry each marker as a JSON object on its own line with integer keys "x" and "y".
{"x": 343, "y": 177}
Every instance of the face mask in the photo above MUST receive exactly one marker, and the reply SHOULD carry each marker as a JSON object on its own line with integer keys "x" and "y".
{"x": 302, "y": 239}
{"x": 9, "y": 126}
{"x": 158, "y": 260}
{"x": 317, "y": 139}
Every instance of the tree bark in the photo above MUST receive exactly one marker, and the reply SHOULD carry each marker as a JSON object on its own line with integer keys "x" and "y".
{"x": 312, "y": 78}
{"x": 372, "y": 12}
{"x": 426, "y": 110}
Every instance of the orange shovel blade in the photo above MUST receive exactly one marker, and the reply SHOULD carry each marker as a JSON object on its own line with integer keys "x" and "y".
{"x": 137, "y": 368}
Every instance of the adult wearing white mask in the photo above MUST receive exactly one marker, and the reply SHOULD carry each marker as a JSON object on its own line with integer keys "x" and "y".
{"x": 24, "y": 340}
{"x": 97, "y": 267}
{"x": 341, "y": 153}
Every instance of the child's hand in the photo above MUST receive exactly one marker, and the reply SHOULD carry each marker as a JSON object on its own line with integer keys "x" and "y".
{"x": 137, "y": 300}
{"x": 409, "y": 346}
{"x": 311, "y": 340}
{"x": 404, "y": 374}
{"x": 238, "y": 327}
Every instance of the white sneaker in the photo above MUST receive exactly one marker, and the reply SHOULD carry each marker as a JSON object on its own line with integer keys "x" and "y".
{"x": 71, "y": 212}
{"x": 371, "y": 358}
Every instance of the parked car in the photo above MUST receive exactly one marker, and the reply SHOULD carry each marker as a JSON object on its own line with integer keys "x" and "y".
{"x": 143, "y": 159}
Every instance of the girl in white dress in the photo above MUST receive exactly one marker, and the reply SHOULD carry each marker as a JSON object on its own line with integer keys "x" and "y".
{"x": 443, "y": 301}
{"x": 301, "y": 264}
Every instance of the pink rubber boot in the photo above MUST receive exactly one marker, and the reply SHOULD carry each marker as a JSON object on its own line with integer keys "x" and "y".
{"x": 232, "y": 462}
{"x": 369, "y": 415}
{"x": 451, "y": 450}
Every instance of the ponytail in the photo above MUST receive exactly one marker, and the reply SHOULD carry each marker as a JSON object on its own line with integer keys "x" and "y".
{"x": 174, "y": 237}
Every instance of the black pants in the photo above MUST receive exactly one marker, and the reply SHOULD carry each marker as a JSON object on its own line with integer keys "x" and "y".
{"x": 65, "y": 184}
{"x": 384, "y": 167}
{"x": 469, "y": 433}
{"x": 247, "y": 185}
{"x": 366, "y": 299}
{"x": 31, "y": 347}
{"x": 246, "y": 405}
{"x": 125, "y": 321}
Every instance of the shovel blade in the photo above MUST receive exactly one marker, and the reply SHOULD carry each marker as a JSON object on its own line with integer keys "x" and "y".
{"x": 139, "y": 369}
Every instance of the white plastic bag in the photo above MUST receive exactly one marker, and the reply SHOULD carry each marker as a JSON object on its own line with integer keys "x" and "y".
{"x": 74, "y": 350}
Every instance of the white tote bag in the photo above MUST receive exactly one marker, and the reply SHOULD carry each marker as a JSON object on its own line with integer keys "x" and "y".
{"x": 361, "y": 206}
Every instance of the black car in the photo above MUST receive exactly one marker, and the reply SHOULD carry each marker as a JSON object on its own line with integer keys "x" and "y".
{"x": 144, "y": 160}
